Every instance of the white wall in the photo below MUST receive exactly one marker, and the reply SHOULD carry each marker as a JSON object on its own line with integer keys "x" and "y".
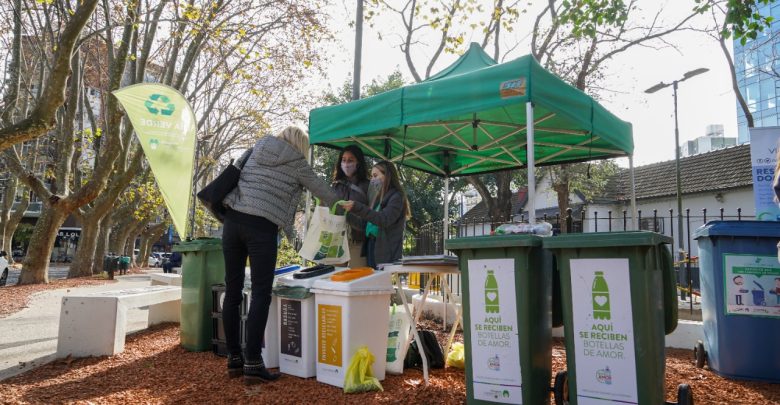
{"x": 732, "y": 200}
{"x": 546, "y": 197}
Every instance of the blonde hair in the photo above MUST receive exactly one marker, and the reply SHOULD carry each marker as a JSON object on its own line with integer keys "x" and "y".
{"x": 296, "y": 137}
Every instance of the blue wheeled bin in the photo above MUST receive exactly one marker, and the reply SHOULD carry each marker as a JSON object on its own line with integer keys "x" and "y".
{"x": 740, "y": 289}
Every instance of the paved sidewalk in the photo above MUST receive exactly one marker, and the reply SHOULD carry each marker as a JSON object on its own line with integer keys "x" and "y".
{"x": 28, "y": 338}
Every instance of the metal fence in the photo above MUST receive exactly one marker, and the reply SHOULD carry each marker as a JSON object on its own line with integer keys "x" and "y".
{"x": 429, "y": 239}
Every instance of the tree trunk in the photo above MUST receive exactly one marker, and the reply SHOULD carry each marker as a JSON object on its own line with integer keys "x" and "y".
{"x": 562, "y": 190}
{"x": 143, "y": 250}
{"x": 35, "y": 268}
{"x": 148, "y": 237}
{"x": 85, "y": 252}
{"x": 102, "y": 245}
{"x": 119, "y": 236}
{"x": 13, "y": 223}
{"x": 9, "y": 194}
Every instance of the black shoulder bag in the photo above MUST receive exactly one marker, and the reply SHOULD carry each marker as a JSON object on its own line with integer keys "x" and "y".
{"x": 214, "y": 193}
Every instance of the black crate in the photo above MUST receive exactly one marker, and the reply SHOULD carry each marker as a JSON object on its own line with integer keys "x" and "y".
{"x": 218, "y": 329}
{"x": 219, "y": 345}
{"x": 219, "y": 348}
{"x": 218, "y": 296}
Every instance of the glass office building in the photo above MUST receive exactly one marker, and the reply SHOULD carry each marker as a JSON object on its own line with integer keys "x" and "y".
{"x": 757, "y": 64}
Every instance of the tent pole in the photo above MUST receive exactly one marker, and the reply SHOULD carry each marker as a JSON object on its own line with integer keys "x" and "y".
{"x": 445, "y": 222}
{"x": 634, "y": 215}
{"x": 529, "y": 119}
{"x": 308, "y": 196}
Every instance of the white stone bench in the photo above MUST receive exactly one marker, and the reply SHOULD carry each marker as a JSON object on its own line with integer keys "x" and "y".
{"x": 165, "y": 279}
{"x": 95, "y": 324}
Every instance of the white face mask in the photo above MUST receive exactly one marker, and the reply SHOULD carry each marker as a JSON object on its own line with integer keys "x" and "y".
{"x": 374, "y": 188}
{"x": 349, "y": 168}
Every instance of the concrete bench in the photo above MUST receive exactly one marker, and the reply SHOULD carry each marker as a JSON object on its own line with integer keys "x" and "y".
{"x": 95, "y": 324}
{"x": 165, "y": 279}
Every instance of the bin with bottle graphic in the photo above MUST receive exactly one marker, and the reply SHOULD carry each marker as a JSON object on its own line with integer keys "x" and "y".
{"x": 507, "y": 320}
{"x": 740, "y": 278}
{"x": 618, "y": 297}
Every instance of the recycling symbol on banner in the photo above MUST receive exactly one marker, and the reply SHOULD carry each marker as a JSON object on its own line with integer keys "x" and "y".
{"x": 159, "y": 104}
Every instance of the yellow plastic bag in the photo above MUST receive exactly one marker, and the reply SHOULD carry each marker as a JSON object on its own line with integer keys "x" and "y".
{"x": 456, "y": 358}
{"x": 359, "y": 377}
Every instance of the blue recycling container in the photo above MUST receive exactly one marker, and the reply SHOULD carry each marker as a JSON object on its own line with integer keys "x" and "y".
{"x": 740, "y": 280}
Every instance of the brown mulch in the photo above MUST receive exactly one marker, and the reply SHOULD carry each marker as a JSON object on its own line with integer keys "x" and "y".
{"x": 154, "y": 369}
{"x": 17, "y": 297}
{"x": 710, "y": 388}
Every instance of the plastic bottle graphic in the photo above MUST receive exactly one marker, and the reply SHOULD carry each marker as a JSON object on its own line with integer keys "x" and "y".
{"x": 600, "y": 292}
{"x": 491, "y": 293}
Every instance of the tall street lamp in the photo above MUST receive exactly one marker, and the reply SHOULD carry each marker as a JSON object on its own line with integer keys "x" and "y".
{"x": 651, "y": 90}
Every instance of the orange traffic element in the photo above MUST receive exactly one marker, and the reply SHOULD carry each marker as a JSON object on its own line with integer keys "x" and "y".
{"x": 352, "y": 274}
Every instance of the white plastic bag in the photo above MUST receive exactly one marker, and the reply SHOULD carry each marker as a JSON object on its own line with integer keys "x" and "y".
{"x": 396, "y": 337}
{"x": 326, "y": 239}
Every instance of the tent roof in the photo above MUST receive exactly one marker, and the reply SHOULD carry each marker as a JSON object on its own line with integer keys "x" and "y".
{"x": 470, "y": 118}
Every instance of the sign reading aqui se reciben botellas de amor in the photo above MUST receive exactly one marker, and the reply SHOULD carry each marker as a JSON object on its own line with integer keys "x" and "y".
{"x": 495, "y": 347}
{"x": 603, "y": 331}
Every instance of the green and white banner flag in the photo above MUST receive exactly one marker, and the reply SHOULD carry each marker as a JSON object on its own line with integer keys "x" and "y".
{"x": 165, "y": 125}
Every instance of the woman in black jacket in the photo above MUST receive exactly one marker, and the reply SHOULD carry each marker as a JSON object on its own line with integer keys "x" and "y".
{"x": 350, "y": 182}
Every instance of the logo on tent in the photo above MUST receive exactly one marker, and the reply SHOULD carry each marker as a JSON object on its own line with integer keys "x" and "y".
{"x": 159, "y": 104}
{"x": 513, "y": 88}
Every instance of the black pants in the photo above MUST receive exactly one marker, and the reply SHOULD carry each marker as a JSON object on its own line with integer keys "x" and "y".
{"x": 371, "y": 251}
{"x": 257, "y": 240}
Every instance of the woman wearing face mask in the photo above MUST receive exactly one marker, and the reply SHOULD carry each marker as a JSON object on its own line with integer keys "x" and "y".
{"x": 386, "y": 215}
{"x": 350, "y": 182}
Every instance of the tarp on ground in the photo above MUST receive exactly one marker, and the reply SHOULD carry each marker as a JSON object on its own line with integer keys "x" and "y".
{"x": 470, "y": 118}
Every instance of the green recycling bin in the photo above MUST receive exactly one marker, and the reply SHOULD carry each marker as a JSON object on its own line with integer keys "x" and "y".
{"x": 506, "y": 318}
{"x": 618, "y": 297}
{"x": 202, "y": 266}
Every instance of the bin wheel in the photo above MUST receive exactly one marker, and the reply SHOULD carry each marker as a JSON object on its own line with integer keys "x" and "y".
{"x": 561, "y": 388}
{"x": 684, "y": 395}
{"x": 699, "y": 354}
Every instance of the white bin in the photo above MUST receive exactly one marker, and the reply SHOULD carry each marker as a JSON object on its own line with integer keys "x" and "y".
{"x": 270, "y": 350}
{"x": 296, "y": 329}
{"x": 351, "y": 314}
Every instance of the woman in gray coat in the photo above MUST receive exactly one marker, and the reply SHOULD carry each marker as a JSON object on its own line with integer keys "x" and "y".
{"x": 386, "y": 215}
{"x": 263, "y": 202}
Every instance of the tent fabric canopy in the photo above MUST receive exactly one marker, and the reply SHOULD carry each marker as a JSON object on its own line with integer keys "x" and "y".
{"x": 470, "y": 118}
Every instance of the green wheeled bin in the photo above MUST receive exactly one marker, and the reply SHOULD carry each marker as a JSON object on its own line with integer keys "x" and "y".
{"x": 507, "y": 320}
{"x": 202, "y": 266}
{"x": 618, "y": 296}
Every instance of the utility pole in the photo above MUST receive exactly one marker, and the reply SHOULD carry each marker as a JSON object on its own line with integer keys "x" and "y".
{"x": 358, "y": 50}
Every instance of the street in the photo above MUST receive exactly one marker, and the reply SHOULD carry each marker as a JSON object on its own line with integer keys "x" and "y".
{"x": 55, "y": 272}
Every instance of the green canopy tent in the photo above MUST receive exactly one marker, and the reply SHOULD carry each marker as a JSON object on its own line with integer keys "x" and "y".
{"x": 478, "y": 116}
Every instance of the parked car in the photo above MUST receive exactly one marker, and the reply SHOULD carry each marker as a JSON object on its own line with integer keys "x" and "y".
{"x": 3, "y": 267}
{"x": 154, "y": 261}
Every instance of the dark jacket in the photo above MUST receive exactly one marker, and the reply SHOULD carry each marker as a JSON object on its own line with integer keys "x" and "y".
{"x": 358, "y": 192}
{"x": 272, "y": 181}
{"x": 176, "y": 259}
{"x": 391, "y": 221}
